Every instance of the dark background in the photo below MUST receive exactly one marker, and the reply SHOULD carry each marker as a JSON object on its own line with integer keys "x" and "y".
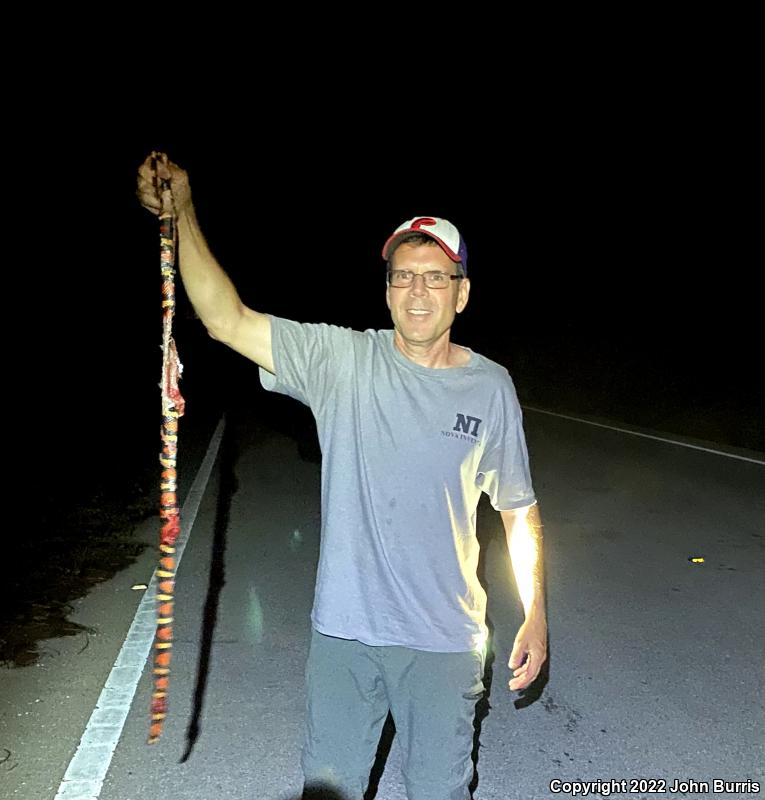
{"x": 617, "y": 289}
{"x": 601, "y": 169}
{"x": 607, "y": 219}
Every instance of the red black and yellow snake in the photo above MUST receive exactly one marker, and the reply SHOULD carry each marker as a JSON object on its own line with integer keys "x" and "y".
{"x": 172, "y": 409}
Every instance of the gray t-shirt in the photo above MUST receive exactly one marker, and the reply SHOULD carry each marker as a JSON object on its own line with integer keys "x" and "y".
{"x": 406, "y": 451}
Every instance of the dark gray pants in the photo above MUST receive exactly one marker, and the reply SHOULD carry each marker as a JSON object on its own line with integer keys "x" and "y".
{"x": 432, "y": 697}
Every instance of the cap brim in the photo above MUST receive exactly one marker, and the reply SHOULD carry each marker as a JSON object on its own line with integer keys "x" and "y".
{"x": 392, "y": 240}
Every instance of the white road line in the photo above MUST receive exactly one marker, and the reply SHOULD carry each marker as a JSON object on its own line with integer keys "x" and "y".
{"x": 645, "y": 435}
{"x": 85, "y": 775}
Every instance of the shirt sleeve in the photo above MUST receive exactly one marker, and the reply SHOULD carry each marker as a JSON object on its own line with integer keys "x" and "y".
{"x": 307, "y": 358}
{"x": 503, "y": 470}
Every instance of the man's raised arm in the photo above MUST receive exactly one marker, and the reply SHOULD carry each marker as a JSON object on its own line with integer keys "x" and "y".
{"x": 210, "y": 290}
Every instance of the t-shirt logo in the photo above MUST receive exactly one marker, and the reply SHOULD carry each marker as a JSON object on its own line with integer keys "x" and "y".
{"x": 464, "y": 424}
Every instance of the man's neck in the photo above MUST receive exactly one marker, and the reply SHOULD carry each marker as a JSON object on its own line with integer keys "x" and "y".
{"x": 441, "y": 354}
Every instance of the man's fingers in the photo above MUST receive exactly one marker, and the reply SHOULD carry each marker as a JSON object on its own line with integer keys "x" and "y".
{"x": 146, "y": 184}
{"x": 520, "y": 682}
{"x": 527, "y": 661}
{"x": 156, "y": 168}
{"x": 154, "y": 208}
{"x": 157, "y": 164}
{"x": 147, "y": 170}
{"x": 148, "y": 197}
{"x": 526, "y": 674}
{"x": 516, "y": 658}
{"x": 163, "y": 167}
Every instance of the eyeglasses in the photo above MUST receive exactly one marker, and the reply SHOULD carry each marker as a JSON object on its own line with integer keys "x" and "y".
{"x": 402, "y": 278}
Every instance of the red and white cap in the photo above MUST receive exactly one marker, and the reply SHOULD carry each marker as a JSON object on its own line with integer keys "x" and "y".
{"x": 446, "y": 234}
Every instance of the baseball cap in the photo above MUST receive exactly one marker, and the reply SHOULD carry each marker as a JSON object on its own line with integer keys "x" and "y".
{"x": 446, "y": 234}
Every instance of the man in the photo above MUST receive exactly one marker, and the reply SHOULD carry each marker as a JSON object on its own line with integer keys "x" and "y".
{"x": 412, "y": 428}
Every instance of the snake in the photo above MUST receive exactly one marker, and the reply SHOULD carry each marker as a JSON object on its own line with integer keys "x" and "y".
{"x": 172, "y": 408}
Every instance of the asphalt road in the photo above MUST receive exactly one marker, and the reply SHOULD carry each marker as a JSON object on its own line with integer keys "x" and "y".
{"x": 656, "y": 662}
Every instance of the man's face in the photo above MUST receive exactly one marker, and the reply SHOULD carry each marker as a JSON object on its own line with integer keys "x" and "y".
{"x": 421, "y": 316}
